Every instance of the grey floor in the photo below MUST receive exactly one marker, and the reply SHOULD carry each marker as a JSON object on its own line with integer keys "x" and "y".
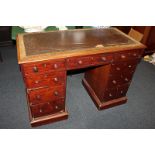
{"x": 137, "y": 113}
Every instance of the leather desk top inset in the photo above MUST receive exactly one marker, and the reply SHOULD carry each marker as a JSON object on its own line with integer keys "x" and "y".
{"x": 61, "y": 44}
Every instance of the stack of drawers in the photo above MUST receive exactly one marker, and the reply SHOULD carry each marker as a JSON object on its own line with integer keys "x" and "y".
{"x": 122, "y": 70}
{"x": 45, "y": 86}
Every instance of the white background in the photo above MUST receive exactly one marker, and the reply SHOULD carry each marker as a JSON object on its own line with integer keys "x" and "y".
{"x": 79, "y": 13}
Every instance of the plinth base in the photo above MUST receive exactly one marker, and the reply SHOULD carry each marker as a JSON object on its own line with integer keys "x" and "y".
{"x": 102, "y": 105}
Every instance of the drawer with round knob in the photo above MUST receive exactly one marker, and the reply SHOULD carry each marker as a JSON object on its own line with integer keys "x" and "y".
{"x": 126, "y": 67}
{"x": 48, "y": 79}
{"x": 128, "y": 55}
{"x": 79, "y": 62}
{"x": 110, "y": 94}
{"x": 126, "y": 78}
{"x": 102, "y": 59}
{"x": 45, "y": 94}
{"x": 42, "y": 67}
{"x": 137, "y": 54}
{"x": 122, "y": 90}
{"x": 47, "y": 108}
{"x": 114, "y": 81}
{"x": 117, "y": 68}
{"x": 122, "y": 56}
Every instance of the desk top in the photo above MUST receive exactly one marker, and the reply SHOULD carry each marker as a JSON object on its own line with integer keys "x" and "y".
{"x": 61, "y": 44}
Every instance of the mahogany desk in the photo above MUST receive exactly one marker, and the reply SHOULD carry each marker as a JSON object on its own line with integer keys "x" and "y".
{"x": 45, "y": 57}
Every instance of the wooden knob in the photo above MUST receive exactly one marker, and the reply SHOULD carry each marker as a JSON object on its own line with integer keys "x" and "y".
{"x": 126, "y": 79}
{"x": 118, "y": 69}
{"x": 56, "y": 93}
{"x": 123, "y": 56}
{"x": 80, "y": 62}
{"x": 38, "y": 97}
{"x": 44, "y": 65}
{"x": 104, "y": 58}
{"x": 110, "y": 94}
{"x": 36, "y": 82}
{"x": 114, "y": 82}
{"x": 55, "y": 66}
{"x": 35, "y": 69}
{"x": 56, "y": 79}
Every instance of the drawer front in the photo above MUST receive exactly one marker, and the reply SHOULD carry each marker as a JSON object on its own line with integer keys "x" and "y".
{"x": 126, "y": 77}
{"x": 122, "y": 56}
{"x": 45, "y": 95}
{"x": 123, "y": 67}
{"x": 114, "y": 81}
{"x": 47, "y": 108}
{"x": 128, "y": 55}
{"x": 122, "y": 90}
{"x": 102, "y": 59}
{"x": 42, "y": 67}
{"x": 130, "y": 66}
{"x": 79, "y": 62}
{"x": 110, "y": 94}
{"x": 42, "y": 80}
{"x": 136, "y": 54}
{"x": 117, "y": 68}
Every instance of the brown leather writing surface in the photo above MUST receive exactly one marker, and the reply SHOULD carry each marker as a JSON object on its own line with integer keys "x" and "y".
{"x": 37, "y": 43}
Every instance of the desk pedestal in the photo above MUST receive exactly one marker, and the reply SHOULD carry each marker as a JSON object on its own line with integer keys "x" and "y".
{"x": 99, "y": 104}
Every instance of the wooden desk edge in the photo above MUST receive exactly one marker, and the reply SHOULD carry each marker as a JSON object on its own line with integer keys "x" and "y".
{"x": 22, "y": 58}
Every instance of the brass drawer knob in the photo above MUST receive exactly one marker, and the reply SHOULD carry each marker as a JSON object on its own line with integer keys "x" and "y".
{"x": 35, "y": 69}
{"x": 104, "y": 58}
{"x": 56, "y": 79}
{"x": 129, "y": 66}
{"x": 56, "y": 93}
{"x": 55, "y": 66}
{"x": 80, "y": 62}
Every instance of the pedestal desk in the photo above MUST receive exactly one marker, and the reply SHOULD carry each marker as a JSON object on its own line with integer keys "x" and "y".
{"x": 45, "y": 57}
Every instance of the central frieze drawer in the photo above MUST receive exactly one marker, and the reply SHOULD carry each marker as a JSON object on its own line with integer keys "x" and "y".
{"x": 79, "y": 62}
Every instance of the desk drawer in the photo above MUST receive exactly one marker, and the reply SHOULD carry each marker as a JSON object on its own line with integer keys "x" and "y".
{"x": 45, "y": 95}
{"x": 126, "y": 67}
{"x": 128, "y": 55}
{"x": 79, "y": 62}
{"x": 137, "y": 54}
{"x": 122, "y": 90}
{"x": 42, "y": 67}
{"x": 48, "y": 79}
{"x": 110, "y": 94}
{"x": 114, "y": 81}
{"x": 47, "y": 108}
{"x": 102, "y": 59}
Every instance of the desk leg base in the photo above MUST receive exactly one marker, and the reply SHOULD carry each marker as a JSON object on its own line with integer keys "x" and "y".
{"x": 102, "y": 105}
{"x": 48, "y": 119}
